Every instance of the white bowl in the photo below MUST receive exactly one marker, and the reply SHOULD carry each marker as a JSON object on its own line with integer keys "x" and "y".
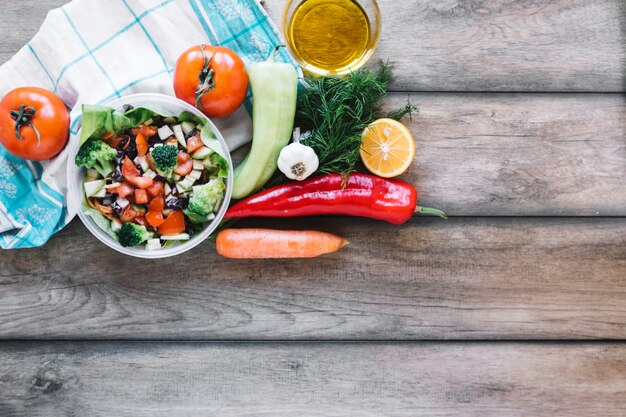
{"x": 75, "y": 176}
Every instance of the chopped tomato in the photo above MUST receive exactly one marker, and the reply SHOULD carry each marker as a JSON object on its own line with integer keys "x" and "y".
{"x": 155, "y": 212}
{"x": 194, "y": 143}
{"x": 123, "y": 190}
{"x": 142, "y": 144}
{"x": 129, "y": 169}
{"x": 172, "y": 141}
{"x": 148, "y": 131}
{"x": 156, "y": 189}
{"x": 185, "y": 165}
{"x": 141, "y": 196}
{"x": 141, "y": 182}
{"x": 128, "y": 214}
{"x": 173, "y": 224}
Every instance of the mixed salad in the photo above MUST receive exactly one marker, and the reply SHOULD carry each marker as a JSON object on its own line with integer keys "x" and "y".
{"x": 153, "y": 178}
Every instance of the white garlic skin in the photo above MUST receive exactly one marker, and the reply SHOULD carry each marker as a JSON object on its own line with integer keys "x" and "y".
{"x": 298, "y": 161}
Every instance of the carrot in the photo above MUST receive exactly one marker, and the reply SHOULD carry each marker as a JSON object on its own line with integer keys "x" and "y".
{"x": 141, "y": 197}
{"x": 173, "y": 224}
{"x": 142, "y": 144}
{"x": 267, "y": 243}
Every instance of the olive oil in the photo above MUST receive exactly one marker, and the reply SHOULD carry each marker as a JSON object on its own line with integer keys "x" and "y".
{"x": 330, "y": 36}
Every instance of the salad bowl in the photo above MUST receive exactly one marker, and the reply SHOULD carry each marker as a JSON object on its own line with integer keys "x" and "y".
{"x": 77, "y": 183}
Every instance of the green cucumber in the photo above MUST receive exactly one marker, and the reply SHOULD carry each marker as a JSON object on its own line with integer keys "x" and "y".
{"x": 275, "y": 90}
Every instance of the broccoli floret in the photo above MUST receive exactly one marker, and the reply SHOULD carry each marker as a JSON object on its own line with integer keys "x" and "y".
{"x": 164, "y": 158}
{"x": 97, "y": 155}
{"x": 132, "y": 234}
{"x": 204, "y": 198}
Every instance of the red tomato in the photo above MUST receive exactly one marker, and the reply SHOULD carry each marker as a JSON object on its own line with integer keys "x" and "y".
{"x": 141, "y": 182}
{"x": 41, "y": 111}
{"x": 185, "y": 165}
{"x": 194, "y": 143}
{"x": 123, "y": 190}
{"x": 222, "y": 85}
{"x": 129, "y": 170}
{"x": 156, "y": 189}
{"x": 141, "y": 196}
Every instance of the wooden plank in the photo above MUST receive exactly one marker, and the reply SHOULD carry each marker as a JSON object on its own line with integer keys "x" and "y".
{"x": 520, "y": 154}
{"x": 505, "y": 45}
{"x": 332, "y": 380}
{"x": 470, "y": 278}
{"x": 20, "y": 22}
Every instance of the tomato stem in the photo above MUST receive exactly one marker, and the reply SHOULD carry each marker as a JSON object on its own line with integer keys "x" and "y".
{"x": 206, "y": 77}
{"x": 24, "y": 117}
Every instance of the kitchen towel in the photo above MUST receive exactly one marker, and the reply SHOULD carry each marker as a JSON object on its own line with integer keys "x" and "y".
{"x": 92, "y": 51}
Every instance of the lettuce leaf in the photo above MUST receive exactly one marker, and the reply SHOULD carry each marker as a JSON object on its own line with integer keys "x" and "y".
{"x": 98, "y": 120}
{"x": 139, "y": 115}
{"x": 102, "y": 222}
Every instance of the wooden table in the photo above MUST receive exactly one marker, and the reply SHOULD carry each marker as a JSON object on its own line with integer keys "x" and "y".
{"x": 516, "y": 306}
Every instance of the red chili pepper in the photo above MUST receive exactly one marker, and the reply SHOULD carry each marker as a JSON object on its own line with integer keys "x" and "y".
{"x": 363, "y": 195}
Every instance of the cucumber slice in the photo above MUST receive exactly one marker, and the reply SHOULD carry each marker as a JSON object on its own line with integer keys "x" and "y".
{"x": 187, "y": 183}
{"x": 197, "y": 166}
{"x": 202, "y": 153}
{"x": 93, "y": 187}
{"x": 116, "y": 225}
{"x": 188, "y": 127}
{"x": 180, "y": 136}
{"x": 167, "y": 189}
{"x": 150, "y": 174}
{"x": 143, "y": 163}
{"x": 91, "y": 175}
{"x": 181, "y": 236}
{"x": 165, "y": 132}
{"x": 170, "y": 120}
{"x": 177, "y": 178}
{"x": 101, "y": 193}
{"x": 195, "y": 174}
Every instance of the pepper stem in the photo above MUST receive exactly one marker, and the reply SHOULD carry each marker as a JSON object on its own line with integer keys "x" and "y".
{"x": 430, "y": 212}
{"x": 24, "y": 117}
{"x": 206, "y": 78}
{"x": 273, "y": 54}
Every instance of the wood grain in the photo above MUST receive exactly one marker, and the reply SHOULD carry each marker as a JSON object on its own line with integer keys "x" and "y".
{"x": 20, "y": 22}
{"x": 520, "y": 154}
{"x": 330, "y": 380}
{"x": 469, "y": 45}
{"x": 430, "y": 279}
{"x": 503, "y": 45}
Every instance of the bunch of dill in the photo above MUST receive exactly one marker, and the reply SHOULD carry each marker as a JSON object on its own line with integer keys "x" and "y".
{"x": 336, "y": 110}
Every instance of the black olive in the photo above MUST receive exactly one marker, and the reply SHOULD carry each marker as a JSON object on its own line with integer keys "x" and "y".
{"x": 117, "y": 173}
{"x": 127, "y": 107}
{"x": 158, "y": 121}
{"x": 154, "y": 140}
{"x": 177, "y": 203}
{"x": 107, "y": 200}
{"x": 191, "y": 134}
{"x": 117, "y": 208}
{"x": 123, "y": 142}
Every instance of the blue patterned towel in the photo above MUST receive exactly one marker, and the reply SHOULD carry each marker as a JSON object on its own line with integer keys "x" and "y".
{"x": 91, "y": 51}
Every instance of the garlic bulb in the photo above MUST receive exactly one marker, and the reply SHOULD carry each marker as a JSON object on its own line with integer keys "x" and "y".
{"x": 298, "y": 161}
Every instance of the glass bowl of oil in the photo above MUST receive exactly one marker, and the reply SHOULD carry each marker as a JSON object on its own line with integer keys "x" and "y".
{"x": 331, "y": 37}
